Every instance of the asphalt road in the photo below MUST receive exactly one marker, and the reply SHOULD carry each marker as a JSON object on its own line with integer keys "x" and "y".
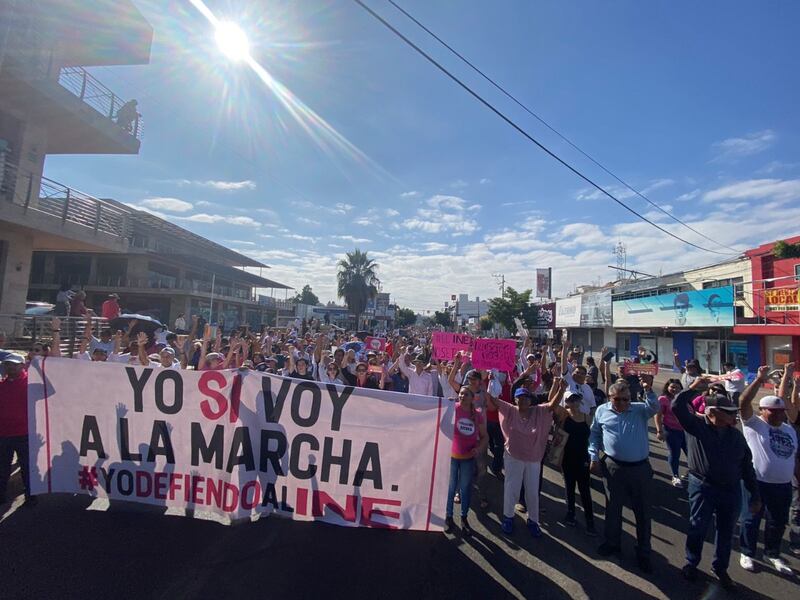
{"x": 65, "y": 548}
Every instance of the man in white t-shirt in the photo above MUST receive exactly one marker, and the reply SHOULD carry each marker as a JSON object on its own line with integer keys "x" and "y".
{"x": 734, "y": 381}
{"x": 576, "y": 380}
{"x": 773, "y": 444}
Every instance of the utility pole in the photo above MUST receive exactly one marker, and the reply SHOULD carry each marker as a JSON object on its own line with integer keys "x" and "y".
{"x": 502, "y": 282}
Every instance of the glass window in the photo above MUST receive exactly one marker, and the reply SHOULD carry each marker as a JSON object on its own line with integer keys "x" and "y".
{"x": 779, "y": 349}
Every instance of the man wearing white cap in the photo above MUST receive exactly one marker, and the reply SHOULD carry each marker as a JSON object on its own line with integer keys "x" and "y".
{"x": 773, "y": 443}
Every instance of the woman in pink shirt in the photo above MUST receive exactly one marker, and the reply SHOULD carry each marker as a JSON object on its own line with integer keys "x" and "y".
{"x": 526, "y": 427}
{"x": 667, "y": 422}
{"x": 469, "y": 441}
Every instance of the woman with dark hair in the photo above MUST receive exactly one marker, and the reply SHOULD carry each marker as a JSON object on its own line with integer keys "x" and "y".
{"x": 669, "y": 429}
{"x": 591, "y": 369}
{"x": 469, "y": 441}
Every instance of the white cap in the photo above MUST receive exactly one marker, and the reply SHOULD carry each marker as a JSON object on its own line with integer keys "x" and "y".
{"x": 773, "y": 402}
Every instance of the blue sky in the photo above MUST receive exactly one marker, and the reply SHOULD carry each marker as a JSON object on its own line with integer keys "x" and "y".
{"x": 694, "y": 103}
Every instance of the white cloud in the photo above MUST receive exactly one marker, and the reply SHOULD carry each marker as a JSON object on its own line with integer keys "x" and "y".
{"x": 658, "y": 184}
{"x": 343, "y": 207}
{"x": 688, "y": 196}
{"x": 168, "y": 204}
{"x": 241, "y": 242}
{"x": 618, "y": 191}
{"x": 777, "y": 165}
{"x": 206, "y": 218}
{"x": 459, "y": 184}
{"x": 739, "y": 147}
{"x": 756, "y": 189}
{"x": 485, "y": 180}
{"x": 308, "y": 221}
{"x": 411, "y": 194}
{"x": 352, "y": 239}
{"x": 296, "y": 236}
{"x": 390, "y": 212}
{"x": 225, "y": 186}
{"x": 448, "y": 214}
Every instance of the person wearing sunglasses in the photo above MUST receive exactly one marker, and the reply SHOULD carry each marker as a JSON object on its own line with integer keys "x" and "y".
{"x": 773, "y": 443}
{"x": 620, "y": 430}
{"x": 719, "y": 461}
{"x": 331, "y": 373}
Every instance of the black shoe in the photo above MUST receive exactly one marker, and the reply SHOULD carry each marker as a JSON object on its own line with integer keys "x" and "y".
{"x": 570, "y": 520}
{"x": 689, "y": 572}
{"x": 465, "y": 527}
{"x": 448, "y": 524}
{"x": 591, "y": 531}
{"x": 31, "y": 501}
{"x": 606, "y": 549}
{"x": 644, "y": 563}
{"x": 725, "y": 580}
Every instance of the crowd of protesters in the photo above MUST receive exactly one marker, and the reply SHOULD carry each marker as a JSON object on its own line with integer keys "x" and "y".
{"x": 557, "y": 407}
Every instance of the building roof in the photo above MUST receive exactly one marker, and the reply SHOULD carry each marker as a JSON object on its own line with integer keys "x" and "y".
{"x": 177, "y": 240}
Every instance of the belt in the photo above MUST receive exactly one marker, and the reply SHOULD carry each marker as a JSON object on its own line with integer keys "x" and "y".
{"x": 625, "y": 463}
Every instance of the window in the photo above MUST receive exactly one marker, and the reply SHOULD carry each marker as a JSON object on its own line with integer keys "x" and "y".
{"x": 736, "y": 282}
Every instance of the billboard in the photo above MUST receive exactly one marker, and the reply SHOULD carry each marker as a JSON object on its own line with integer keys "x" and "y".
{"x": 596, "y": 309}
{"x": 568, "y": 312}
{"x": 782, "y": 298}
{"x": 544, "y": 282}
{"x": 545, "y": 316}
{"x": 696, "y": 308}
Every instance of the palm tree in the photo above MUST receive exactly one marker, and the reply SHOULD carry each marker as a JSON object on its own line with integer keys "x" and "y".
{"x": 357, "y": 281}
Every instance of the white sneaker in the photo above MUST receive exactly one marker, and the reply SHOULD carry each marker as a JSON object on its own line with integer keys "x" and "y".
{"x": 746, "y": 563}
{"x": 676, "y": 482}
{"x": 780, "y": 566}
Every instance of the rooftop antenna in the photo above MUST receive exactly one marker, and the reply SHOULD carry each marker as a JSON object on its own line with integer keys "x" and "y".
{"x": 622, "y": 259}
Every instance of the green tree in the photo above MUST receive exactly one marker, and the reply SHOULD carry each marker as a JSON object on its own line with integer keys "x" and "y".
{"x": 442, "y": 318}
{"x": 306, "y": 296}
{"x": 486, "y": 324}
{"x": 513, "y": 304}
{"x": 357, "y": 281}
{"x": 405, "y": 318}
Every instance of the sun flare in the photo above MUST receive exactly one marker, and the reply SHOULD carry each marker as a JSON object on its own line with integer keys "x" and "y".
{"x": 232, "y": 41}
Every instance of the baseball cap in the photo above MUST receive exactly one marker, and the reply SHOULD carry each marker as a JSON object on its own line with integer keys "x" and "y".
{"x": 214, "y": 356}
{"x": 522, "y": 392}
{"x": 573, "y": 397}
{"x": 473, "y": 374}
{"x": 168, "y": 350}
{"x": 530, "y": 356}
{"x": 722, "y": 402}
{"x": 13, "y": 358}
{"x": 773, "y": 402}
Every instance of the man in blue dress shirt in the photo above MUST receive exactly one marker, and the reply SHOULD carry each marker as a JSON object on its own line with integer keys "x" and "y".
{"x": 619, "y": 430}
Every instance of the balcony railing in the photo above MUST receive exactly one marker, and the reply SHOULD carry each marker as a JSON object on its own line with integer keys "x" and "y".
{"x": 145, "y": 283}
{"x": 60, "y": 201}
{"x": 89, "y": 89}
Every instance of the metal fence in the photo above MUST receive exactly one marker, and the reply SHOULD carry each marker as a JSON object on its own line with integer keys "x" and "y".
{"x": 22, "y": 332}
{"x": 89, "y": 89}
{"x": 61, "y": 201}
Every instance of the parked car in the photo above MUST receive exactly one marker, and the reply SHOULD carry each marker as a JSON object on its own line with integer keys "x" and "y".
{"x": 39, "y": 309}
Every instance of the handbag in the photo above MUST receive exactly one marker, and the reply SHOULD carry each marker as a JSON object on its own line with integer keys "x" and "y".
{"x": 556, "y": 446}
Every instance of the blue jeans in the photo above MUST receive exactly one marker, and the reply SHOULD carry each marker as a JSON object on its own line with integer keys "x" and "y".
{"x": 707, "y": 501}
{"x": 776, "y": 498}
{"x": 461, "y": 471}
{"x": 676, "y": 441}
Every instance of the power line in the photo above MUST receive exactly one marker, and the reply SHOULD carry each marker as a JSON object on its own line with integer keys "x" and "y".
{"x": 550, "y": 127}
{"x": 519, "y": 129}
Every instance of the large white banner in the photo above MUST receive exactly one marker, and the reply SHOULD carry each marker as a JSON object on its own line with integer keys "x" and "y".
{"x": 239, "y": 443}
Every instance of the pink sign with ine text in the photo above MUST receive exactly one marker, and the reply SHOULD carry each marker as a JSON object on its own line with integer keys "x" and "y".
{"x": 447, "y": 345}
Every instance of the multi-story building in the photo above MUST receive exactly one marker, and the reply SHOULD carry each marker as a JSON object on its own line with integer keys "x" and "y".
{"x": 50, "y": 104}
{"x": 165, "y": 271}
{"x": 462, "y": 309}
{"x": 772, "y": 326}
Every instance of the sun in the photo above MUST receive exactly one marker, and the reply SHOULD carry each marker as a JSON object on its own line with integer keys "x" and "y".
{"x": 232, "y": 41}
